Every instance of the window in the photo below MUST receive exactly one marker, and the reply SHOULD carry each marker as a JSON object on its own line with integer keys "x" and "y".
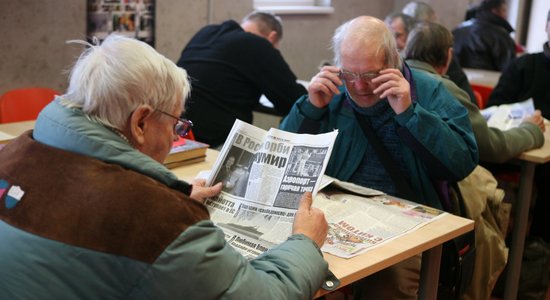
{"x": 294, "y": 6}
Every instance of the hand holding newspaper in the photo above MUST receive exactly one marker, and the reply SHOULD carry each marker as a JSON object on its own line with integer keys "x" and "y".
{"x": 264, "y": 174}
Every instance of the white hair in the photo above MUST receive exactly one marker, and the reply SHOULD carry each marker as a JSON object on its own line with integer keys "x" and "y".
{"x": 109, "y": 81}
{"x": 367, "y": 32}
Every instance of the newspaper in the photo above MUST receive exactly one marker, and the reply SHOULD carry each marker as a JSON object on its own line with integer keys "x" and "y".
{"x": 507, "y": 116}
{"x": 358, "y": 224}
{"x": 265, "y": 173}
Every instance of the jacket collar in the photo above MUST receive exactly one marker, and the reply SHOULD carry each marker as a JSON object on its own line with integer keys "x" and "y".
{"x": 420, "y": 65}
{"x": 487, "y": 16}
{"x": 71, "y": 130}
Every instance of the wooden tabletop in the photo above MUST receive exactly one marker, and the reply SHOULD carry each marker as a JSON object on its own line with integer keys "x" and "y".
{"x": 189, "y": 172}
{"x": 542, "y": 154}
{"x": 482, "y": 77}
{"x": 9, "y": 131}
{"x": 397, "y": 250}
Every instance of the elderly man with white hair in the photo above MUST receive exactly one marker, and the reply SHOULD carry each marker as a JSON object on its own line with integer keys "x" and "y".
{"x": 369, "y": 95}
{"x": 88, "y": 211}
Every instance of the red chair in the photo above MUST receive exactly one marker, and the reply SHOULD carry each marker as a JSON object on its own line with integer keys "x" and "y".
{"x": 484, "y": 91}
{"x": 479, "y": 99}
{"x": 24, "y": 104}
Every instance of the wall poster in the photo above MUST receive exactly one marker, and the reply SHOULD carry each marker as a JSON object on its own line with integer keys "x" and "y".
{"x": 131, "y": 18}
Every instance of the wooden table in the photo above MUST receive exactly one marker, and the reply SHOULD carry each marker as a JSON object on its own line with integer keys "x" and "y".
{"x": 427, "y": 240}
{"x": 9, "y": 131}
{"x": 482, "y": 77}
{"x": 528, "y": 160}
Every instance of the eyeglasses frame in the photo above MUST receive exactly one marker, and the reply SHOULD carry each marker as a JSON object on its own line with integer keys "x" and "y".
{"x": 182, "y": 127}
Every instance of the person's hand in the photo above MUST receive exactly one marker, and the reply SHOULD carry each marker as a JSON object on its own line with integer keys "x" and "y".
{"x": 324, "y": 86}
{"x": 537, "y": 119}
{"x": 395, "y": 87}
{"x": 200, "y": 192}
{"x": 310, "y": 221}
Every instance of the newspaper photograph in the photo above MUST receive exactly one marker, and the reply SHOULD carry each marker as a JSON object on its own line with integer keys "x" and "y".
{"x": 357, "y": 223}
{"x": 264, "y": 174}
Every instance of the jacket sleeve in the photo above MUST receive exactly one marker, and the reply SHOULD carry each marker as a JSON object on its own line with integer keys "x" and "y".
{"x": 199, "y": 264}
{"x": 441, "y": 134}
{"x": 499, "y": 146}
{"x": 277, "y": 81}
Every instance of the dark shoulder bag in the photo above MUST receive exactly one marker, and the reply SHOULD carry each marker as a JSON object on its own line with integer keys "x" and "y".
{"x": 458, "y": 256}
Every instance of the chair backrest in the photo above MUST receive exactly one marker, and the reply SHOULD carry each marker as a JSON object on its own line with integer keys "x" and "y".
{"x": 479, "y": 99}
{"x": 484, "y": 91}
{"x": 24, "y": 104}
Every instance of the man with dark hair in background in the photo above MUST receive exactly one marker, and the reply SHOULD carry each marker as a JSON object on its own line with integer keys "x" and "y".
{"x": 231, "y": 65}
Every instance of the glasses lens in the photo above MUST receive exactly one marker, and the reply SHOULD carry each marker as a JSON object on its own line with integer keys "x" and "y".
{"x": 347, "y": 76}
{"x": 183, "y": 127}
{"x": 366, "y": 77}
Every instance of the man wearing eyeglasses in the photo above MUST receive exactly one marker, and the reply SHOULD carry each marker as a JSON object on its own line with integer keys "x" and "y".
{"x": 88, "y": 210}
{"x": 421, "y": 127}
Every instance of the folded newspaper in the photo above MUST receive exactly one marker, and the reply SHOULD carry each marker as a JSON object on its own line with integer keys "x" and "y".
{"x": 265, "y": 173}
{"x": 507, "y": 116}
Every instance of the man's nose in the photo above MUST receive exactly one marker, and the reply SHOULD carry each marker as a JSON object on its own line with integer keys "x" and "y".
{"x": 362, "y": 84}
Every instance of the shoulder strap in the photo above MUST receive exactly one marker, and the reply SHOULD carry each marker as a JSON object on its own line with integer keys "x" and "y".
{"x": 404, "y": 190}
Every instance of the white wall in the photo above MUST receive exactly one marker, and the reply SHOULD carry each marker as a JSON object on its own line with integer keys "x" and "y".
{"x": 536, "y": 35}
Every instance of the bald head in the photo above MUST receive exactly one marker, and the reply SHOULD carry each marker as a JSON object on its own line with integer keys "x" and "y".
{"x": 368, "y": 34}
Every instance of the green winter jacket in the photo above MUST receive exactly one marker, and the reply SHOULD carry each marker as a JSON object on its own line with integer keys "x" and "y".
{"x": 437, "y": 138}
{"x": 99, "y": 220}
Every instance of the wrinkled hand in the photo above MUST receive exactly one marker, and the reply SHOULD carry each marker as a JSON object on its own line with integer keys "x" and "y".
{"x": 537, "y": 119}
{"x": 324, "y": 86}
{"x": 395, "y": 87}
{"x": 200, "y": 192}
{"x": 310, "y": 221}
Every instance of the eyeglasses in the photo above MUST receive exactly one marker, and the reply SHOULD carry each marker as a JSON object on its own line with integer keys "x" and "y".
{"x": 351, "y": 77}
{"x": 182, "y": 127}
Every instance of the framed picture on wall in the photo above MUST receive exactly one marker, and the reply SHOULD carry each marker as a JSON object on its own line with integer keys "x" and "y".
{"x": 132, "y": 18}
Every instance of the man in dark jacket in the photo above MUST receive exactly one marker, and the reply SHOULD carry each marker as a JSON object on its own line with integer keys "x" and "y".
{"x": 484, "y": 42}
{"x": 527, "y": 77}
{"x": 231, "y": 66}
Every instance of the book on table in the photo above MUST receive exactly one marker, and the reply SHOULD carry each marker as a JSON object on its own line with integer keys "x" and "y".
{"x": 184, "y": 152}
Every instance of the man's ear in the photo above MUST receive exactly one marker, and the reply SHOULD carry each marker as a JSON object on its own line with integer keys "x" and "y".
{"x": 139, "y": 121}
{"x": 273, "y": 37}
{"x": 449, "y": 56}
